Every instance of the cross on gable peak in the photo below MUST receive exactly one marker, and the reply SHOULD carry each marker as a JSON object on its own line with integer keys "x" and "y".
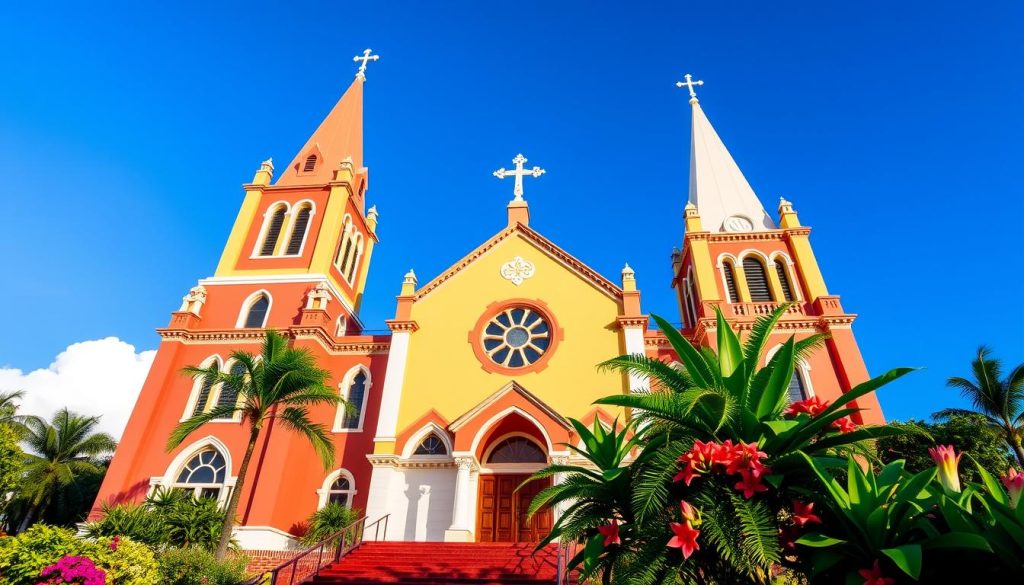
{"x": 518, "y": 173}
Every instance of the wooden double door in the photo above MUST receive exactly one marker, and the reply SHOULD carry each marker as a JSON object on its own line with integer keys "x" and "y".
{"x": 502, "y": 511}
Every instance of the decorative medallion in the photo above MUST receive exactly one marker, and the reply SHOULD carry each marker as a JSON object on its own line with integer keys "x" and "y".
{"x": 517, "y": 270}
{"x": 516, "y": 337}
{"x": 738, "y": 223}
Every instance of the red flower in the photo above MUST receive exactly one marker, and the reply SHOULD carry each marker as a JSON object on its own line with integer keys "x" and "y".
{"x": 610, "y": 533}
{"x": 690, "y": 514}
{"x": 873, "y": 576}
{"x": 700, "y": 459}
{"x": 114, "y": 542}
{"x": 844, "y": 425}
{"x": 812, "y": 406}
{"x": 687, "y": 475}
{"x": 745, "y": 456}
{"x": 685, "y": 538}
{"x": 750, "y": 483}
{"x": 803, "y": 514}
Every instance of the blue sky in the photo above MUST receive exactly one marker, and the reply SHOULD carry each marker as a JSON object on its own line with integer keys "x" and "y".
{"x": 895, "y": 128}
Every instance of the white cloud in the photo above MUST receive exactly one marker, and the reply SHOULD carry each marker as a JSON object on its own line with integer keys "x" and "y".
{"x": 100, "y": 377}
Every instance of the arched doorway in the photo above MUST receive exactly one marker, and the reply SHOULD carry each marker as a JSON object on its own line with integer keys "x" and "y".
{"x": 510, "y": 455}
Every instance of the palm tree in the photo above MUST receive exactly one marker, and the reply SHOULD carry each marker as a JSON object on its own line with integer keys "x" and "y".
{"x": 281, "y": 383}
{"x": 9, "y": 411}
{"x": 1000, "y": 401}
{"x": 59, "y": 453}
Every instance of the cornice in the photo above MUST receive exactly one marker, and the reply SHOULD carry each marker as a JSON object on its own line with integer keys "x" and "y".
{"x": 367, "y": 345}
{"x": 640, "y": 321}
{"x": 396, "y": 325}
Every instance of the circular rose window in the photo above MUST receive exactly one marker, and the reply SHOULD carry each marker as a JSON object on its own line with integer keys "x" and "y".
{"x": 516, "y": 337}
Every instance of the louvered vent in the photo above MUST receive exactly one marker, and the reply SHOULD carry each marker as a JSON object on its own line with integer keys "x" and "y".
{"x": 273, "y": 232}
{"x": 228, "y": 392}
{"x": 299, "y": 231}
{"x": 204, "y": 395}
{"x": 310, "y": 164}
{"x": 757, "y": 280}
{"x": 787, "y": 292}
{"x": 796, "y": 390}
{"x": 730, "y": 284}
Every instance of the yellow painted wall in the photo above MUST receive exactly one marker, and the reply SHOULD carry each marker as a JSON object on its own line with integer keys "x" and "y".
{"x": 442, "y": 371}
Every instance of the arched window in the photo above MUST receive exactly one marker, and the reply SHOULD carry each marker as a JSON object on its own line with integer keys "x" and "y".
{"x": 342, "y": 327}
{"x": 205, "y": 388}
{"x": 356, "y": 397}
{"x": 310, "y": 164}
{"x": 273, "y": 232}
{"x": 341, "y": 491}
{"x": 796, "y": 391}
{"x": 757, "y": 280}
{"x": 203, "y": 475}
{"x": 730, "y": 282}
{"x": 257, "y": 315}
{"x": 431, "y": 445}
{"x": 344, "y": 245}
{"x": 228, "y": 392}
{"x": 299, "y": 230}
{"x": 357, "y": 252}
{"x": 517, "y": 450}
{"x": 787, "y": 290}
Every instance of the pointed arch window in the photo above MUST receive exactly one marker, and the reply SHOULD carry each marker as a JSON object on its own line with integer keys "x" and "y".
{"x": 203, "y": 397}
{"x": 796, "y": 391}
{"x": 517, "y": 450}
{"x": 757, "y": 280}
{"x": 341, "y": 491}
{"x": 342, "y": 327}
{"x": 355, "y": 399}
{"x": 310, "y": 165}
{"x": 357, "y": 252}
{"x": 204, "y": 475}
{"x": 431, "y": 445}
{"x": 299, "y": 230}
{"x": 787, "y": 289}
{"x": 273, "y": 232}
{"x": 256, "y": 318}
{"x": 730, "y": 282}
{"x": 228, "y": 392}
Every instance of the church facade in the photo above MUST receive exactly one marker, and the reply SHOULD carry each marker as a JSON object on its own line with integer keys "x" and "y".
{"x": 485, "y": 362}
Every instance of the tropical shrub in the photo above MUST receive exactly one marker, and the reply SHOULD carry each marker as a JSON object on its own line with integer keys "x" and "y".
{"x": 969, "y": 432}
{"x": 722, "y": 458}
{"x": 78, "y": 570}
{"x": 196, "y": 566}
{"x": 328, "y": 521}
{"x": 24, "y": 557}
{"x": 166, "y": 518}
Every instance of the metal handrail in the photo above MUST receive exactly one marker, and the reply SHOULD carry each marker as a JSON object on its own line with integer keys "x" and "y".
{"x": 330, "y": 550}
{"x": 566, "y": 551}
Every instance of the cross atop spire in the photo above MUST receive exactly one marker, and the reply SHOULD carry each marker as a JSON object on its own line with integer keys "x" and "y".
{"x": 519, "y": 172}
{"x": 689, "y": 83}
{"x": 366, "y": 56}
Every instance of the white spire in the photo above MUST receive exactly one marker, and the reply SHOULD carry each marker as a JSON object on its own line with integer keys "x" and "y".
{"x": 724, "y": 199}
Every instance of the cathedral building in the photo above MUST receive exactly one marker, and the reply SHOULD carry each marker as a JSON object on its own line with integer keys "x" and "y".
{"x": 485, "y": 362}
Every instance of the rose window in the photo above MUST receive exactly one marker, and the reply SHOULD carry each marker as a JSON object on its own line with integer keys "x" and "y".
{"x": 516, "y": 337}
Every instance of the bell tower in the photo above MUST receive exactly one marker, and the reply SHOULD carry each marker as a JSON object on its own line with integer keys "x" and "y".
{"x": 739, "y": 258}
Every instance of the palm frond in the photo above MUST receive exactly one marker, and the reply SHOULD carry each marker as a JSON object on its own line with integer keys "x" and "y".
{"x": 297, "y": 419}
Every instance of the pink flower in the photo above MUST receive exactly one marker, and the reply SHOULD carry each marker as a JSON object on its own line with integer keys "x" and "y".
{"x": 844, "y": 425}
{"x": 685, "y": 538}
{"x": 803, "y": 514}
{"x": 750, "y": 483}
{"x": 811, "y": 406}
{"x": 1014, "y": 482}
{"x": 690, "y": 514}
{"x": 947, "y": 459}
{"x": 610, "y": 533}
{"x": 873, "y": 576}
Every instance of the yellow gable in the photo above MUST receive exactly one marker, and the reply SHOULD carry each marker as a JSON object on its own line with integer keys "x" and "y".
{"x": 448, "y": 369}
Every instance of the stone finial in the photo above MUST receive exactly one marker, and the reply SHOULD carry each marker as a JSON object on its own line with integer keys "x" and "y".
{"x": 691, "y": 218}
{"x": 409, "y": 283}
{"x": 787, "y": 216}
{"x": 677, "y": 260}
{"x": 193, "y": 301}
{"x": 318, "y": 296}
{"x": 628, "y": 278}
{"x": 265, "y": 173}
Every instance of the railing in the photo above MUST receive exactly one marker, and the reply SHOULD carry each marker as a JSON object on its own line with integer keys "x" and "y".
{"x": 309, "y": 562}
{"x": 566, "y": 551}
{"x": 764, "y": 308}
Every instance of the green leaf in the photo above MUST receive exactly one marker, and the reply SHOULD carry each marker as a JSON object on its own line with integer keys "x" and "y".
{"x": 773, "y": 394}
{"x": 958, "y": 540}
{"x": 730, "y": 356}
{"x": 692, "y": 359}
{"x": 818, "y": 540}
{"x": 592, "y": 551}
{"x": 992, "y": 485}
{"x": 906, "y": 557}
{"x": 777, "y": 427}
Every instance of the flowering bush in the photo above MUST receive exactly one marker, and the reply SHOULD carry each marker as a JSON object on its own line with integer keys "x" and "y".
{"x": 77, "y": 570}
{"x": 196, "y": 566}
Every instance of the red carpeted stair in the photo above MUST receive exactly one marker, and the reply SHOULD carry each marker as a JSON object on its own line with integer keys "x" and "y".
{"x": 409, "y": 563}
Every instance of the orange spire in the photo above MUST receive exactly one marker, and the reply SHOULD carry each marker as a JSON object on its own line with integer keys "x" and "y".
{"x": 339, "y": 137}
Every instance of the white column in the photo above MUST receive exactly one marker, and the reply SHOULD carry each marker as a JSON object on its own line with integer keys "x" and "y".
{"x": 460, "y": 530}
{"x": 560, "y": 508}
{"x": 634, "y": 337}
{"x": 391, "y": 394}
{"x": 380, "y": 501}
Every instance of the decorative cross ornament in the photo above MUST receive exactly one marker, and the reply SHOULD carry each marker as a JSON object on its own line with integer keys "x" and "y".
{"x": 366, "y": 56}
{"x": 517, "y": 270}
{"x": 689, "y": 83}
{"x": 519, "y": 172}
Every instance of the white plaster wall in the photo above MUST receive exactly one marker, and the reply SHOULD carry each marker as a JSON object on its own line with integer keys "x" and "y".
{"x": 421, "y": 504}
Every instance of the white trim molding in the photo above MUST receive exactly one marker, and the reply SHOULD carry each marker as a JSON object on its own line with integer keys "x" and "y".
{"x": 324, "y": 493}
{"x": 345, "y": 388}
{"x": 243, "y": 314}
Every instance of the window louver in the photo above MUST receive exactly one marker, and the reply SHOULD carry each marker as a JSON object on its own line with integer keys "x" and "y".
{"x": 204, "y": 395}
{"x": 757, "y": 280}
{"x": 257, "y": 313}
{"x": 273, "y": 232}
{"x": 730, "y": 284}
{"x": 796, "y": 391}
{"x": 310, "y": 164}
{"x": 298, "y": 231}
{"x": 787, "y": 292}
{"x": 228, "y": 393}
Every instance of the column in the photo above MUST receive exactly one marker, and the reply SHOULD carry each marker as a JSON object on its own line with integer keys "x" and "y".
{"x": 460, "y": 531}
{"x": 559, "y": 478}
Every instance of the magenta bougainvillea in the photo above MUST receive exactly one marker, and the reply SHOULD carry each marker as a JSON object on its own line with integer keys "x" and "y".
{"x": 77, "y": 570}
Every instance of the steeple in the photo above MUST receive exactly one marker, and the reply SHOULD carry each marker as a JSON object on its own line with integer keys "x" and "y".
{"x": 339, "y": 138}
{"x": 725, "y": 202}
